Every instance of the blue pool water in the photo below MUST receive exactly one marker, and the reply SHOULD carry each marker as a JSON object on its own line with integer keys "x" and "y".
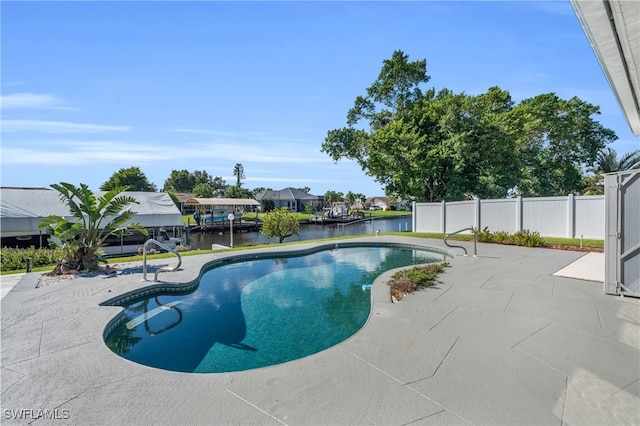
{"x": 257, "y": 313}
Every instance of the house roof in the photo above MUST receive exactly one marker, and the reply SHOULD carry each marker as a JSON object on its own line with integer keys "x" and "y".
{"x": 613, "y": 30}
{"x": 287, "y": 194}
{"x": 184, "y": 196}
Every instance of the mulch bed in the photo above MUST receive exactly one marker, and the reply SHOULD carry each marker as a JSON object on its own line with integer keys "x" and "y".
{"x": 582, "y": 249}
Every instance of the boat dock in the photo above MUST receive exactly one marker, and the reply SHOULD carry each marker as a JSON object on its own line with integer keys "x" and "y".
{"x": 224, "y": 226}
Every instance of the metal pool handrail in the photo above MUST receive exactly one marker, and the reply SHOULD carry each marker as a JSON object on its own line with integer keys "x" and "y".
{"x": 475, "y": 240}
{"x": 164, "y": 268}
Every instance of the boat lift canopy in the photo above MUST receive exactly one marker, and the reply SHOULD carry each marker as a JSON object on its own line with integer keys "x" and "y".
{"x": 222, "y": 202}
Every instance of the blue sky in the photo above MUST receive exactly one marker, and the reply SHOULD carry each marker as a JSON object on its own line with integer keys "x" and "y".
{"x": 89, "y": 88}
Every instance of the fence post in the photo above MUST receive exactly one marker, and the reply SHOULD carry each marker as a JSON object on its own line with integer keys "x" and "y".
{"x": 477, "y": 214}
{"x": 518, "y": 213}
{"x": 443, "y": 217}
{"x": 414, "y": 219}
{"x": 571, "y": 215}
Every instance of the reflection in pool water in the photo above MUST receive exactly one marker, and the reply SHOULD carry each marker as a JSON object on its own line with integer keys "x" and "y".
{"x": 258, "y": 313}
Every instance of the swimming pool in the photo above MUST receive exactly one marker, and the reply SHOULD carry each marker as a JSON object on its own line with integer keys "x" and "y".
{"x": 254, "y": 310}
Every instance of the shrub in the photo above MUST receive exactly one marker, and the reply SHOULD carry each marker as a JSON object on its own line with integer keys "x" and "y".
{"x": 528, "y": 239}
{"x": 501, "y": 237}
{"x": 407, "y": 281}
{"x": 484, "y": 236}
{"x": 521, "y": 238}
{"x": 15, "y": 259}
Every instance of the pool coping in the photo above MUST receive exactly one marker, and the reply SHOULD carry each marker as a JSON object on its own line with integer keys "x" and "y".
{"x": 499, "y": 339}
{"x": 158, "y": 288}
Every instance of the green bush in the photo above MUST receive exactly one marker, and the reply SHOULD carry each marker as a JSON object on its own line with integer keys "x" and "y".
{"x": 14, "y": 259}
{"x": 484, "y": 236}
{"x": 528, "y": 239}
{"x": 521, "y": 238}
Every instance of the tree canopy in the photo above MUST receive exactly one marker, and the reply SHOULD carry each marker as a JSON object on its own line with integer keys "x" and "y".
{"x": 132, "y": 178}
{"x": 180, "y": 181}
{"x": 433, "y": 146}
{"x": 237, "y": 192}
{"x": 203, "y": 190}
{"x": 280, "y": 223}
{"x": 199, "y": 182}
{"x": 333, "y": 197}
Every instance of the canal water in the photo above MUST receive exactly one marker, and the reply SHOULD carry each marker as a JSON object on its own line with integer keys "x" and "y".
{"x": 198, "y": 240}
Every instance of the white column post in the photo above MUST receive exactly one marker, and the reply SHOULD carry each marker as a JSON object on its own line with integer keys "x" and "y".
{"x": 518, "y": 214}
{"x": 571, "y": 216}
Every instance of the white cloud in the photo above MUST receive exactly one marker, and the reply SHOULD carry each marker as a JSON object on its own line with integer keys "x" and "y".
{"x": 263, "y": 153}
{"x": 40, "y": 151}
{"x": 205, "y": 132}
{"x": 80, "y": 153}
{"x": 57, "y": 127}
{"x": 290, "y": 180}
{"x": 225, "y": 136}
{"x": 29, "y": 100}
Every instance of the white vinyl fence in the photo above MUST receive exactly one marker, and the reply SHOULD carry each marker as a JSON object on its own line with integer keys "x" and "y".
{"x": 565, "y": 217}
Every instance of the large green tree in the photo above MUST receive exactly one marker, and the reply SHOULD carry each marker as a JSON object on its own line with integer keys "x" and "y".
{"x": 219, "y": 185}
{"x": 201, "y": 176}
{"x": 237, "y": 192}
{"x": 432, "y": 146}
{"x": 185, "y": 181}
{"x": 557, "y": 140}
{"x": 180, "y": 181}
{"x": 203, "y": 190}
{"x": 93, "y": 220}
{"x": 132, "y": 178}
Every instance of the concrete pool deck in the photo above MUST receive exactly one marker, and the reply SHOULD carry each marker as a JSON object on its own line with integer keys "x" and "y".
{"x": 499, "y": 340}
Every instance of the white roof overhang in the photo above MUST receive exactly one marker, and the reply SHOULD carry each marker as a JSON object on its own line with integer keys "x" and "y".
{"x": 613, "y": 30}
{"x": 221, "y": 202}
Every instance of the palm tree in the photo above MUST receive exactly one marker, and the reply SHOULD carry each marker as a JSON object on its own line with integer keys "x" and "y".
{"x": 238, "y": 172}
{"x": 93, "y": 220}
{"x": 607, "y": 161}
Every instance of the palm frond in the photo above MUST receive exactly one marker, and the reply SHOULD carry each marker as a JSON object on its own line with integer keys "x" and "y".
{"x": 117, "y": 205}
{"x": 119, "y": 221}
{"x": 607, "y": 161}
{"x": 108, "y": 196}
{"x": 50, "y": 220}
{"x": 630, "y": 160}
